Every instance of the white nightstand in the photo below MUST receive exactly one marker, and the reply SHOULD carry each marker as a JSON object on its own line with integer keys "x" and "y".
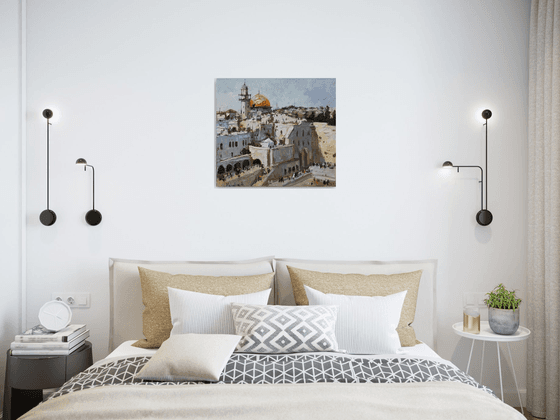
{"x": 486, "y": 334}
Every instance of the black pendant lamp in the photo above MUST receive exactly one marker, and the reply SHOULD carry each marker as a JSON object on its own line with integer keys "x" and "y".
{"x": 93, "y": 217}
{"x": 483, "y": 217}
{"x": 48, "y": 217}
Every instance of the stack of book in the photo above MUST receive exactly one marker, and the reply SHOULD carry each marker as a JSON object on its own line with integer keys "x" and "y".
{"x": 40, "y": 341}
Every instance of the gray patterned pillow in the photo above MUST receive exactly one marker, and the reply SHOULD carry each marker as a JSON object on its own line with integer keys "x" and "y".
{"x": 285, "y": 329}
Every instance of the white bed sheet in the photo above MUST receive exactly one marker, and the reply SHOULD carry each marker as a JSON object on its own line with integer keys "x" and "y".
{"x": 126, "y": 349}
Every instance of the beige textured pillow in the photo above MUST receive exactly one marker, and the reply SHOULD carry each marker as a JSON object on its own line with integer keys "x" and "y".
{"x": 157, "y": 316}
{"x": 190, "y": 357}
{"x": 364, "y": 285}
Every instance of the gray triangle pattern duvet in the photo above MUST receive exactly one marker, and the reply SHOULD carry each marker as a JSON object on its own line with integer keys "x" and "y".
{"x": 285, "y": 369}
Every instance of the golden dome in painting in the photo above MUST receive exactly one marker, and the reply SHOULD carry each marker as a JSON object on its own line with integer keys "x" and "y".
{"x": 259, "y": 100}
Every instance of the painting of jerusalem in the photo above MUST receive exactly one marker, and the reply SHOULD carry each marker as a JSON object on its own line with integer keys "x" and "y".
{"x": 275, "y": 132}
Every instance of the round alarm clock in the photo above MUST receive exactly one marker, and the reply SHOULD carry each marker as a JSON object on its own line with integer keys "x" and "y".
{"x": 55, "y": 315}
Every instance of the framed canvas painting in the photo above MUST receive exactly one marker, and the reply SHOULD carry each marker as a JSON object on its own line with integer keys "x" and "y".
{"x": 275, "y": 133}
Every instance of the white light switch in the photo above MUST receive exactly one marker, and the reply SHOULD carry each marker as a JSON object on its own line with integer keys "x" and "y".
{"x": 74, "y": 300}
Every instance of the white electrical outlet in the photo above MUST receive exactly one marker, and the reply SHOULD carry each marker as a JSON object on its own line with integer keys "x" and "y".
{"x": 74, "y": 300}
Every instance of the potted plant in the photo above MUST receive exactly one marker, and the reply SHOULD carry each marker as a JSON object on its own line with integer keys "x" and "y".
{"x": 503, "y": 310}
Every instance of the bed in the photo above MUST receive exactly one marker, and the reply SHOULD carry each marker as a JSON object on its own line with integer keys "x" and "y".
{"x": 413, "y": 382}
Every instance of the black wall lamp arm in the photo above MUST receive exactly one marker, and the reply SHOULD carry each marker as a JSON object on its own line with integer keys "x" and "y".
{"x": 481, "y": 181}
{"x": 93, "y": 170}
{"x": 93, "y": 217}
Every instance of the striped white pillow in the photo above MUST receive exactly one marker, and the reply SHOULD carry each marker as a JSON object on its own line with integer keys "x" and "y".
{"x": 365, "y": 324}
{"x": 200, "y": 313}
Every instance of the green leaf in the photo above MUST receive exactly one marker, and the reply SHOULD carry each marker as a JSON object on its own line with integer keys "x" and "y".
{"x": 501, "y": 298}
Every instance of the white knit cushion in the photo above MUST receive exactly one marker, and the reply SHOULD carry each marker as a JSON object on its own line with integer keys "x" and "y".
{"x": 200, "y": 313}
{"x": 285, "y": 329}
{"x": 365, "y": 324}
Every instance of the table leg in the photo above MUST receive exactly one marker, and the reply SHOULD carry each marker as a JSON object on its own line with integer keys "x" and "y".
{"x": 500, "y": 369}
{"x": 470, "y": 355}
{"x": 482, "y": 363}
{"x": 24, "y": 400}
{"x": 515, "y": 379}
{"x": 7, "y": 409}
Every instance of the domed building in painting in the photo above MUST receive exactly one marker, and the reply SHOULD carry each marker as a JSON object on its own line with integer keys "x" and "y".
{"x": 253, "y": 105}
{"x": 260, "y": 103}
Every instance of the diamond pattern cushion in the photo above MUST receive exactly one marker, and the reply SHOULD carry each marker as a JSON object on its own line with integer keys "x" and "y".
{"x": 285, "y": 329}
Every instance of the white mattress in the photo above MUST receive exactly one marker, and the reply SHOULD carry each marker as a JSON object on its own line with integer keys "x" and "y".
{"x": 127, "y": 350}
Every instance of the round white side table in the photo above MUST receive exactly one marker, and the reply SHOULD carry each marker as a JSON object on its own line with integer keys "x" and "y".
{"x": 486, "y": 334}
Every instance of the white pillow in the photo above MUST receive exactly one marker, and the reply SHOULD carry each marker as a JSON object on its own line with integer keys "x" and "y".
{"x": 190, "y": 357}
{"x": 365, "y": 324}
{"x": 200, "y": 313}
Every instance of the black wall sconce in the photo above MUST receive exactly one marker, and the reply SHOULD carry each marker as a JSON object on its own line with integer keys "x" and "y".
{"x": 48, "y": 217}
{"x": 93, "y": 217}
{"x": 483, "y": 217}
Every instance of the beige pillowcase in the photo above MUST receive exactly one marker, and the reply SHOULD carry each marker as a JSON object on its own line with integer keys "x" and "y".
{"x": 157, "y": 315}
{"x": 364, "y": 285}
{"x": 190, "y": 357}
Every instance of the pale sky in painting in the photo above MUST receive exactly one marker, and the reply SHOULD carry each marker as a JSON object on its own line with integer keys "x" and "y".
{"x": 280, "y": 92}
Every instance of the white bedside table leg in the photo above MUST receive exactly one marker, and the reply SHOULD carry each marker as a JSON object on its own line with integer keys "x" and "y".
{"x": 482, "y": 363}
{"x": 470, "y": 355}
{"x": 515, "y": 379}
{"x": 500, "y": 369}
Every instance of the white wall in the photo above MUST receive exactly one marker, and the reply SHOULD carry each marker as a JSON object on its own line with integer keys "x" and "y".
{"x": 10, "y": 178}
{"x": 132, "y": 85}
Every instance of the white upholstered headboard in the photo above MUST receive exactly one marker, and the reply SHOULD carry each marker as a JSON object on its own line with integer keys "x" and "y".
{"x": 126, "y": 294}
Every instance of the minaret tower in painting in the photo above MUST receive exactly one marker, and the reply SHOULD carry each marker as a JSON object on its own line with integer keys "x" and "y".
{"x": 245, "y": 99}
